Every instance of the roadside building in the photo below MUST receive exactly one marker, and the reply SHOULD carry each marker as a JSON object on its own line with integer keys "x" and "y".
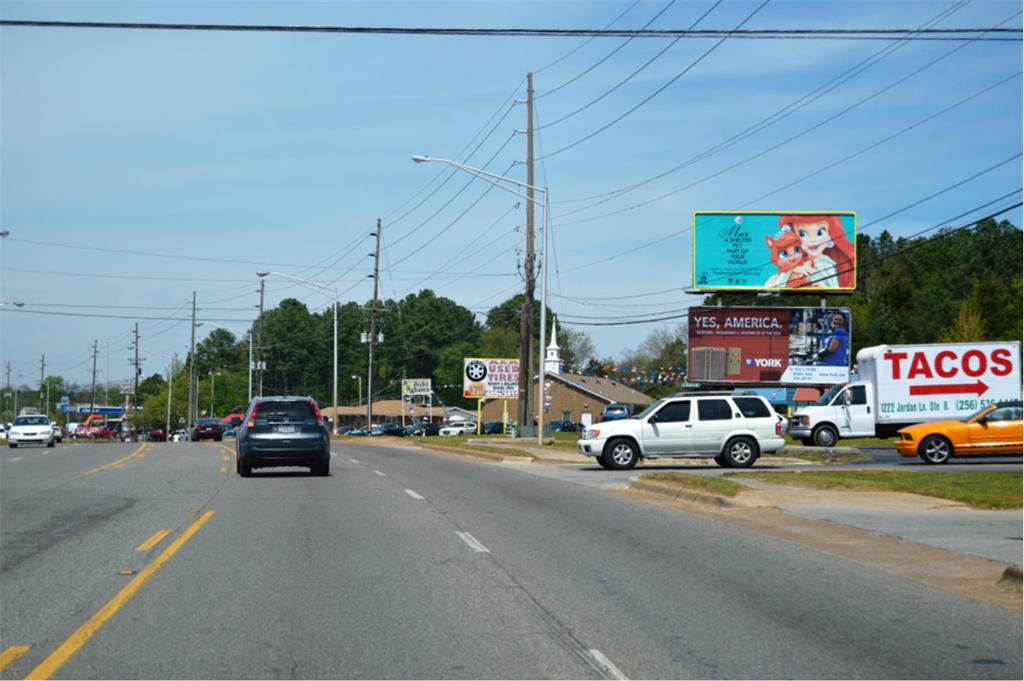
{"x": 384, "y": 411}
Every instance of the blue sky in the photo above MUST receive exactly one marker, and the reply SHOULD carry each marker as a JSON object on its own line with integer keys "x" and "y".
{"x": 280, "y": 151}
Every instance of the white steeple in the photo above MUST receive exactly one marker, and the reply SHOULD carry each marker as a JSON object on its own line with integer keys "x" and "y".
{"x": 553, "y": 353}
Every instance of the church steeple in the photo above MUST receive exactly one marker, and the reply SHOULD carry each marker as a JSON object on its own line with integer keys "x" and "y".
{"x": 553, "y": 353}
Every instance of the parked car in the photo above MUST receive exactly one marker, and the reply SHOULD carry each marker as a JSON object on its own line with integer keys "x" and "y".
{"x": 58, "y": 432}
{"x": 493, "y": 428}
{"x": 158, "y": 435}
{"x": 425, "y": 429}
{"x": 283, "y": 431}
{"x": 393, "y": 429}
{"x": 614, "y": 412}
{"x": 359, "y": 432}
{"x": 734, "y": 429}
{"x": 208, "y": 429}
{"x": 995, "y": 429}
{"x": 231, "y": 433}
{"x": 33, "y": 429}
{"x": 3, "y": 431}
{"x": 458, "y": 428}
{"x": 564, "y": 427}
{"x": 103, "y": 433}
{"x": 180, "y": 436}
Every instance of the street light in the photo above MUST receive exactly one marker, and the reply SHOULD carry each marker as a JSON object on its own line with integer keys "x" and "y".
{"x": 496, "y": 180}
{"x": 359, "y": 394}
{"x": 334, "y": 307}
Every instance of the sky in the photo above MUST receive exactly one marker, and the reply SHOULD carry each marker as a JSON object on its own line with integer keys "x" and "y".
{"x": 139, "y": 166}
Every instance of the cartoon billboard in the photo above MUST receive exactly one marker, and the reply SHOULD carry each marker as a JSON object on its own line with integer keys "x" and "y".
{"x": 775, "y": 251}
{"x": 780, "y": 345}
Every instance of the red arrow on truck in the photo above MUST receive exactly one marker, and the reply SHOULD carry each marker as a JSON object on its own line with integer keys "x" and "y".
{"x": 978, "y": 388}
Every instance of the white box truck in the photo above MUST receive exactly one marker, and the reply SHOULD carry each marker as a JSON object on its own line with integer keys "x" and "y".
{"x": 901, "y": 385}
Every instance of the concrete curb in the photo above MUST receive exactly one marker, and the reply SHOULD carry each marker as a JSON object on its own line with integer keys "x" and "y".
{"x": 473, "y": 454}
{"x": 1011, "y": 577}
{"x": 677, "y": 492}
{"x": 826, "y": 451}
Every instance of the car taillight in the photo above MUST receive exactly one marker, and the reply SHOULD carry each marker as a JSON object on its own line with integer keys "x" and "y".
{"x": 252, "y": 419}
{"x": 319, "y": 416}
{"x": 778, "y": 427}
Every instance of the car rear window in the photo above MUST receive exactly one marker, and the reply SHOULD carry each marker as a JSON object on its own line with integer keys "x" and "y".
{"x": 714, "y": 410}
{"x": 752, "y": 407}
{"x": 286, "y": 411}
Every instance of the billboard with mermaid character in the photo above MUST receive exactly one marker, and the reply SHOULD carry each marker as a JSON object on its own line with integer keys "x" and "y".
{"x": 775, "y": 251}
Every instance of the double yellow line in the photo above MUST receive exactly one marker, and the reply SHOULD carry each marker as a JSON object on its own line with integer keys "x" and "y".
{"x": 120, "y": 462}
{"x": 52, "y": 664}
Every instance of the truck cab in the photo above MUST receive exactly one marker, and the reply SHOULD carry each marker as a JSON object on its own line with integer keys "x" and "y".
{"x": 846, "y": 410}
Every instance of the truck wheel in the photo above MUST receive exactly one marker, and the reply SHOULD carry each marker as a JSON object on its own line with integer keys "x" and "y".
{"x": 935, "y": 449}
{"x": 602, "y": 461}
{"x": 825, "y": 436}
{"x": 806, "y": 441}
{"x": 739, "y": 452}
{"x": 621, "y": 454}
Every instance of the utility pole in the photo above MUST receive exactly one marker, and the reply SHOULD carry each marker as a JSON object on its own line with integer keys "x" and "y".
{"x": 526, "y": 315}
{"x": 170, "y": 389}
{"x": 373, "y": 332}
{"x": 7, "y": 388}
{"x": 192, "y": 368}
{"x": 136, "y": 365}
{"x": 42, "y": 381}
{"x": 249, "y": 338}
{"x": 92, "y": 401}
{"x": 259, "y": 345}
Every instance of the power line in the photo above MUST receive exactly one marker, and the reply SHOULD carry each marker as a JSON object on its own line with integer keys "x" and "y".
{"x": 586, "y": 42}
{"x": 819, "y": 33}
{"x": 659, "y": 90}
{"x": 776, "y": 117}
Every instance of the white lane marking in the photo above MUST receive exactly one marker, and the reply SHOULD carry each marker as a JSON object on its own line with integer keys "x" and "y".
{"x": 606, "y": 665}
{"x": 413, "y": 494}
{"x": 380, "y": 474}
{"x": 354, "y": 460}
{"x": 472, "y": 542}
{"x": 17, "y": 458}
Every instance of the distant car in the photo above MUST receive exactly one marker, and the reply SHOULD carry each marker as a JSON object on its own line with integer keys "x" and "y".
{"x": 996, "y": 429}
{"x": 31, "y": 429}
{"x": 3, "y": 432}
{"x": 564, "y": 426}
{"x": 58, "y": 432}
{"x": 208, "y": 429}
{"x": 103, "y": 433}
{"x": 493, "y": 428}
{"x": 458, "y": 428}
{"x": 392, "y": 429}
{"x": 358, "y": 432}
{"x": 425, "y": 429}
{"x": 344, "y": 430}
{"x": 158, "y": 435}
{"x": 283, "y": 431}
{"x": 231, "y": 432}
{"x": 614, "y": 412}
{"x": 179, "y": 436}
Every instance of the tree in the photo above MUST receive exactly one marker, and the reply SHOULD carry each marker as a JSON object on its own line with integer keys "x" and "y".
{"x": 968, "y": 326}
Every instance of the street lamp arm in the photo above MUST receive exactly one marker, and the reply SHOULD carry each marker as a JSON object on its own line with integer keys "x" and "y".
{"x": 491, "y": 178}
{"x": 296, "y": 280}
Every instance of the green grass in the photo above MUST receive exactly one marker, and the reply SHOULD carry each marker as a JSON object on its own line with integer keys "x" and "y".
{"x": 468, "y": 444}
{"x": 699, "y": 483}
{"x": 980, "y": 490}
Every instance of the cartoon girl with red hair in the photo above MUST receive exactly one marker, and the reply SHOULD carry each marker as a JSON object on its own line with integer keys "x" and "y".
{"x": 826, "y": 245}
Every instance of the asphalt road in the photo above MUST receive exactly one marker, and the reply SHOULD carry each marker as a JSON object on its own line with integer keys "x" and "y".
{"x": 404, "y": 564}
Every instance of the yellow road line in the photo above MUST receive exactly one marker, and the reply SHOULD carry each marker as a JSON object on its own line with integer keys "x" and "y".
{"x": 12, "y": 654}
{"x": 153, "y": 541}
{"x": 113, "y": 464}
{"x": 81, "y": 636}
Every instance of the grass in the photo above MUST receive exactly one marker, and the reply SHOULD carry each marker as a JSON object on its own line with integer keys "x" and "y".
{"x": 469, "y": 445}
{"x": 699, "y": 483}
{"x": 980, "y": 490}
{"x": 819, "y": 457}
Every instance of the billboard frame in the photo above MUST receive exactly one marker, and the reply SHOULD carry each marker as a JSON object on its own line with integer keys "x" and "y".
{"x": 698, "y": 290}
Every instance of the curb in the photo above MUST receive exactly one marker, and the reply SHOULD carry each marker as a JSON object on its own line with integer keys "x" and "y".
{"x": 676, "y": 492}
{"x": 1011, "y": 577}
{"x": 827, "y": 451}
{"x": 485, "y": 456}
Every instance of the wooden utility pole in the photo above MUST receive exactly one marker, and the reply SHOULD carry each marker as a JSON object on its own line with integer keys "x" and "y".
{"x": 136, "y": 365}
{"x": 192, "y": 369}
{"x": 373, "y": 332}
{"x": 42, "y": 381}
{"x": 526, "y": 314}
{"x": 92, "y": 401}
{"x": 259, "y": 344}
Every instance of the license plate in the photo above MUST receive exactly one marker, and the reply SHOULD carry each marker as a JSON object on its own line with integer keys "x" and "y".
{"x": 285, "y": 429}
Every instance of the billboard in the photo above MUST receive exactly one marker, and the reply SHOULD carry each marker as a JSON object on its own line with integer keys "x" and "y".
{"x": 786, "y": 345}
{"x": 774, "y": 251}
{"x": 484, "y": 378}
{"x": 413, "y": 387}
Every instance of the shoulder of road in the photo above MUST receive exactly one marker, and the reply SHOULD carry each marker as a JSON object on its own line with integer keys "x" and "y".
{"x": 909, "y": 533}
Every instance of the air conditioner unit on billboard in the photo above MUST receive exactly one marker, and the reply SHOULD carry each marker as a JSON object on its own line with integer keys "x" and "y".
{"x": 708, "y": 364}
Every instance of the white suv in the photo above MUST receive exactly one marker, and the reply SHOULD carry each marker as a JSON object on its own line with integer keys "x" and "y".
{"x": 734, "y": 429}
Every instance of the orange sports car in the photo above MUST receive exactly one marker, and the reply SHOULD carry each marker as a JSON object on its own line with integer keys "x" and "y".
{"x": 996, "y": 429}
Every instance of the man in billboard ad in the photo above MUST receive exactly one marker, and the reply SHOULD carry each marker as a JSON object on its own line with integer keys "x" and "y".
{"x": 799, "y": 346}
{"x": 774, "y": 251}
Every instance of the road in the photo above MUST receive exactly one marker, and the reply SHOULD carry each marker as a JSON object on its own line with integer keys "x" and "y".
{"x": 405, "y": 564}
